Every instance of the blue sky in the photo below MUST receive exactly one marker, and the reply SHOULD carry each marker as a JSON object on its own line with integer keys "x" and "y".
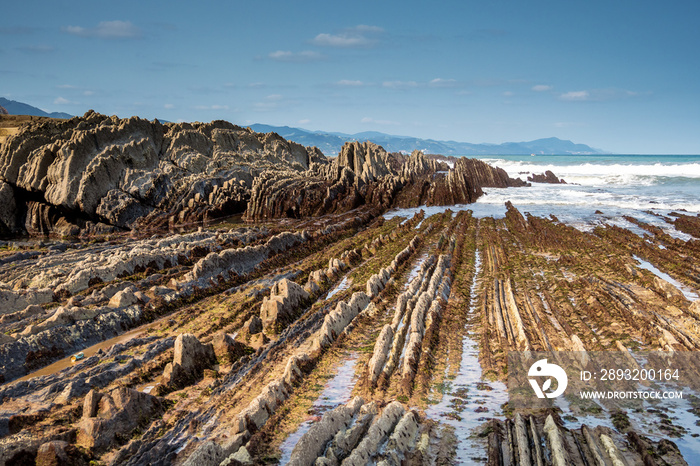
{"x": 623, "y": 76}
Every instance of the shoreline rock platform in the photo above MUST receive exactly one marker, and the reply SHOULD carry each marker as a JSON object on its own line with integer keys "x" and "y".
{"x": 235, "y": 330}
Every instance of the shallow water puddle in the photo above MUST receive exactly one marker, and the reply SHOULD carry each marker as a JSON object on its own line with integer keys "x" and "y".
{"x": 343, "y": 285}
{"x": 687, "y": 291}
{"x": 415, "y": 270}
{"x": 469, "y": 401}
{"x": 104, "y": 345}
{"x": 336, "y": 392}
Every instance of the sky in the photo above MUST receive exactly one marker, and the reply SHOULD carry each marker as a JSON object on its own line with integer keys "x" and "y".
{"x": 622, "y": 76}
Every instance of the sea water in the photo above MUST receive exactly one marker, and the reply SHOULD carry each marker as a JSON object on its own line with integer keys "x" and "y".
{"x": 645, "y": 187}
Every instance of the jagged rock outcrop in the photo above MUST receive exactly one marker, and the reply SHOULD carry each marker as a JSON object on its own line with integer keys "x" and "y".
{"x": 93, "y": 173}
{"x": 115, "y": 414}
{"x": 546, "y": 177}
{"x": 285, "y": 298}
{"x": 97, "y": 168}
{"x": 366, "y": 160}
{"x": 3, "y": 111}
{"x": 189, "y": 361}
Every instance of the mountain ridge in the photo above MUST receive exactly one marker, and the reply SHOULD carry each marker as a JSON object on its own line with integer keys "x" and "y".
{"x": 331, "y": 142}
{"x": 20, "y": 108}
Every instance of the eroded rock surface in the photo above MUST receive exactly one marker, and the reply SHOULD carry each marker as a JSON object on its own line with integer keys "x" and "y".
{"x": 96, "y": 174}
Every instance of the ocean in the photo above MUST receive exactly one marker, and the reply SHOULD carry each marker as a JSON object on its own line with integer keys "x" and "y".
{"x": 646, "y": 187}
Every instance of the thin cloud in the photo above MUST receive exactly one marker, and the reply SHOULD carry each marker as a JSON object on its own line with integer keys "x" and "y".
{"x": 62, "y": 101}
{"x": 305, "y": 121}
{"x": 273, "y": 102}
{"x": 168, "y": 106}
{"x": 349, "y": 83}
{"x": 298, "y": 57}
{"x": 361, "y": 36}
{"x": 400, "y": 84}
{"x": 437, "y": 83}
{"x": 542, "y": 88}
{"x": 107, "y": 30}
{"x": 599, "y": 95}
{"x": 575, "y": 96}
{"x": 444, "y": 83}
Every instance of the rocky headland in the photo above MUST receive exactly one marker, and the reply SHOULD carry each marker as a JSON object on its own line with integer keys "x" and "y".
{"x": 240, "y": 299}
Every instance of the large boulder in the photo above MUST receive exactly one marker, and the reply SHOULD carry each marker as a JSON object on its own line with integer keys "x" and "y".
{"x": 117, "y": 415}
{"x": 189, "y": 361}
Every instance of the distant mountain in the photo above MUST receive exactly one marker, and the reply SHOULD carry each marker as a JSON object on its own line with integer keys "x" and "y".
{"x": 330, "y": 143}
{"x": 18, "y": 108}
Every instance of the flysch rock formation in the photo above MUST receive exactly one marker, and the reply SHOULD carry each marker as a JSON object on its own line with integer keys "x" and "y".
{"x": 95, "y": 174}
{"x": 323, "y": 334}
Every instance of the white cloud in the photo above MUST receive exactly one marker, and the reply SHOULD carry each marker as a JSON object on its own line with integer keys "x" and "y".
{"x": 600, "y": 95}
{"x": 508, "y": 94}
{"x": 107, "y": 30}
{"x": 439, "y": 82}
{"x": 66, "y": 86}
{"x": 88, "y": 93}
{"x": 361, "y": 36}
{"x": 61, "y": 101}
{"x": 274, "y": 97}
{"x": 350, "y": 83}
{"x": 305, "y": 121}
{"x": 541, "y": 88}
{"x": 368, "y": 120}
{"x": 400, "y": 84}
{"x": 576, "y": 96}
{"x": 299, "y": 57}
{"x": 168, "y": 106}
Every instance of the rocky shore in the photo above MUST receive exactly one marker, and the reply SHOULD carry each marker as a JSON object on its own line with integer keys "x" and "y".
{"x": 302, "y": 326}
{"x": 97, "y": 174}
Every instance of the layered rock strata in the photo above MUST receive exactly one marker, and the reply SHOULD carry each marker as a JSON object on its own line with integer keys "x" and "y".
{"x": 98, "y": 174}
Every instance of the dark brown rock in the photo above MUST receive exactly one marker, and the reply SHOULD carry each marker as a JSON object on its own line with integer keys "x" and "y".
{"x": 546, "y": 177}
{"x": 118, "y": 414}
{"x": 59, "y": 453}
{"x": 227, "y": 349}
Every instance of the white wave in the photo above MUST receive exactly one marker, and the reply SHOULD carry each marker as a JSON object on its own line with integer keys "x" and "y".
{"x": 560, "y": 195}
{"x": 599, "y": 173}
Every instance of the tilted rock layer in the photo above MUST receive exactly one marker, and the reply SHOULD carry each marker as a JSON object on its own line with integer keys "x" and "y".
{"x": 96, "y": 173}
